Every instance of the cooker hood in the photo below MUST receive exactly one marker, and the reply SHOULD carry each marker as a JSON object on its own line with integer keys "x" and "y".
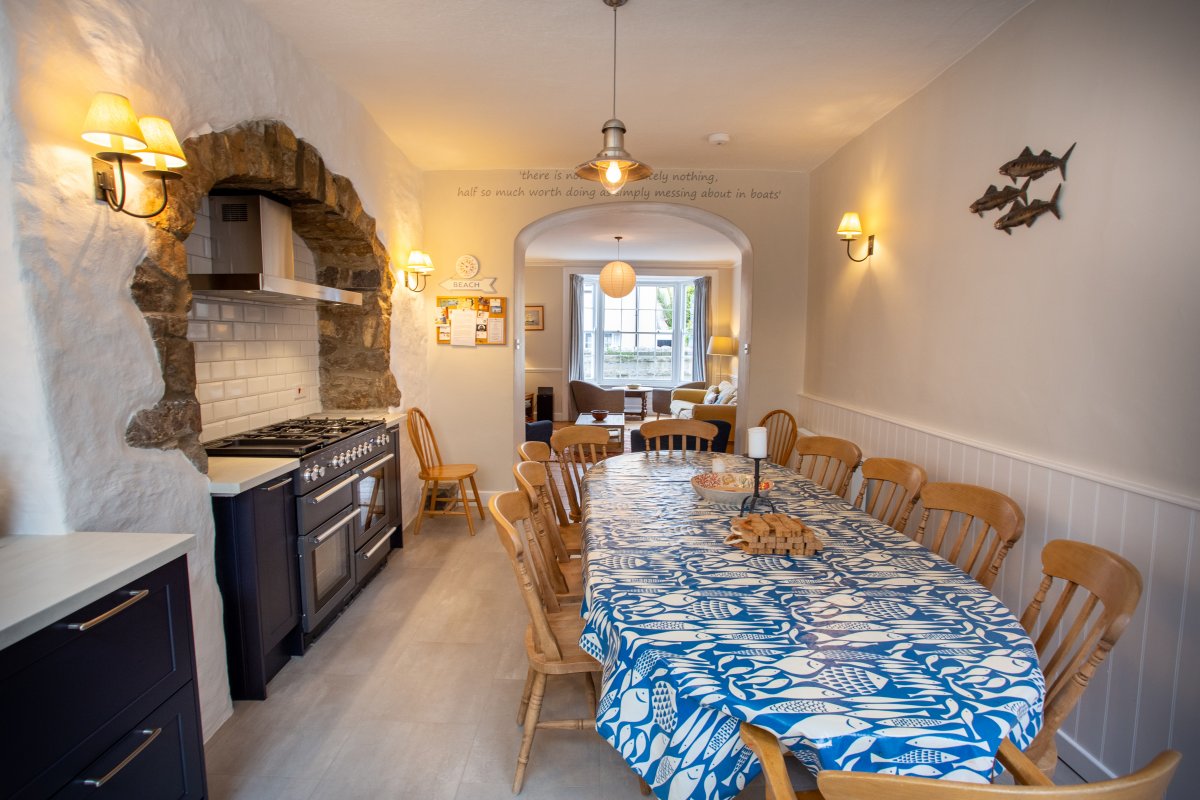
{"x": 252, "y": 257}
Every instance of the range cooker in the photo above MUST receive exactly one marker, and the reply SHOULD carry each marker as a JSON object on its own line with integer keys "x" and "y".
{"x": 346, "y": 503}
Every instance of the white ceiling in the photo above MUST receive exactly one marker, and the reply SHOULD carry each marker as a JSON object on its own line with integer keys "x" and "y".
{"x": 481, "y": 84}
{"x": 647, "y": 237}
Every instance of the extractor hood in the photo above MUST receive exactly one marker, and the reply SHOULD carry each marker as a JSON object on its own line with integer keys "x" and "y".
{"x": 252, "y": 257}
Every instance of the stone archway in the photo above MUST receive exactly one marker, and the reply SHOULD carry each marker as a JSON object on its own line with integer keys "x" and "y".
{"x": 265, "y": 155}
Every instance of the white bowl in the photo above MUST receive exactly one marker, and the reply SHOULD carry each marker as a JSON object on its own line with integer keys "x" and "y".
{"x": 728, "y": 488}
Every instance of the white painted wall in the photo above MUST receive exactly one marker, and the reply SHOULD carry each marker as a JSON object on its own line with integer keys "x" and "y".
{"x": 465, "y": 213}
{"x": 1075, "y": 340}
{"x": 205, "y": 67}
{"x": 1060, "y": 364}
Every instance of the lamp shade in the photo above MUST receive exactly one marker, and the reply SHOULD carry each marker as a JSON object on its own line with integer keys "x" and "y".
{"x": 850, "y": 227}
{"x": 617, "y": 279}
{"x": 112, "y": 125}
{"x": 722, "y": 346}
{"x": 162, "y": 151}
{"x": 419, "y": 262}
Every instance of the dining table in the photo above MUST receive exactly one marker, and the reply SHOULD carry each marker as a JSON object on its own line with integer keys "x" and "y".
{"x": 872, "y": 655}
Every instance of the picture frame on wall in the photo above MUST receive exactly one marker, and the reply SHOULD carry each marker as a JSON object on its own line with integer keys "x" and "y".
{"x": 535, "y": 318}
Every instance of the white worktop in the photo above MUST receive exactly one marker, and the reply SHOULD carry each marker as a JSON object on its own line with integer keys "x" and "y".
{"x": 390, "y": 417}
{"x": 230, "y": 475}
{"x": 44, "y": 578}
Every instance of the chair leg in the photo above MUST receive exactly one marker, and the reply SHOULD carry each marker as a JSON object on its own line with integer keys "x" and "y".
{"x": 462, "y": 490}
{"x": 643, "y": 787}
{"x": 478, "y": 502}
{"x": 421, "y": 509}
{"x": 589, "y": 690}
{"x": 531, "y": 720}
{"x": 525, "y": 697}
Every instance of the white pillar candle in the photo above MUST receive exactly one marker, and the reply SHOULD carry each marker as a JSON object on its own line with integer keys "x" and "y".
{"x": 758, "y": 443}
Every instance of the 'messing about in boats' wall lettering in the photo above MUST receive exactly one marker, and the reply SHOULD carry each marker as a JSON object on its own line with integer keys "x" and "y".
{"x": 663, "y": 186}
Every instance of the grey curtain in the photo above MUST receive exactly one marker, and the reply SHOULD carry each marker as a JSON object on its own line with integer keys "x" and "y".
{"x": 575, "y": 351}
{"x": 701, "y": 311}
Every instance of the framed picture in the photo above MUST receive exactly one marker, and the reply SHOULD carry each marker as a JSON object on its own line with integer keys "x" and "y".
{"x": 535, "y": 318}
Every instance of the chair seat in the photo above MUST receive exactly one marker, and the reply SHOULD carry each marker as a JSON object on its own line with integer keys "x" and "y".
{"x": 448, "y": 472}
{"x": 567, "y": 627}
{"x": 572, "y": 536}
{"x": 572, "y": 572}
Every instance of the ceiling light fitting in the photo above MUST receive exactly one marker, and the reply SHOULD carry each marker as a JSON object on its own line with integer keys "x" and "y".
{"x": 416, "y": 271}
{"x": 613, "y": 166}
{"x": 617, "y": 279}
{"x": 112, "y": 126}
{"x": 850, "y": 229}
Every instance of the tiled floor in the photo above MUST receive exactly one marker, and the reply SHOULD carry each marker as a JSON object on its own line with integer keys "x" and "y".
{"x": 413, "y": 694}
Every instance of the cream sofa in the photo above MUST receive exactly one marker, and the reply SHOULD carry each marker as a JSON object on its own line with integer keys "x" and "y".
{"x": 715, "y": 402}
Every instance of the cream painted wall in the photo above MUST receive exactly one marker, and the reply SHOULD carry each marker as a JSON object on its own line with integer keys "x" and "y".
{"x": 548, "y": 285}
{"x": 206, "y": 67}
{"x": 1075, "y": 341}
{"x": 483, "y": 212}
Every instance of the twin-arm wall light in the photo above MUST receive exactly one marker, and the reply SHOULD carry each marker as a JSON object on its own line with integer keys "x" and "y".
{"x": 416, "y": 271}
{"x": 112, "y": 126}
{"x": 850, "y": 229}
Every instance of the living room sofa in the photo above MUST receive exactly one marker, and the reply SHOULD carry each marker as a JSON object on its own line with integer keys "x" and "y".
{"x": 713, "y": 403}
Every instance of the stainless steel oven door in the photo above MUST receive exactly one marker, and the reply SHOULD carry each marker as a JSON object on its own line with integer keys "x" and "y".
{"x": 375, "y": 493}
{"x": 327, "y": 567}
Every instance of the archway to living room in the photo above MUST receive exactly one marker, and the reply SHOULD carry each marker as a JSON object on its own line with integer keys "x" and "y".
{"x": 665, "y": 242}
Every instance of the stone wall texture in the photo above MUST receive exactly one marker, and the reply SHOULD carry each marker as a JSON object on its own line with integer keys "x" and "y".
{"x": 355, "y": 344}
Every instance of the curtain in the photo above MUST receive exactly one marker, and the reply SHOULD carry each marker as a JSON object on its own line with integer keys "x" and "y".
{"x": 575, "y": 351}
{"x": 701, "y": 311}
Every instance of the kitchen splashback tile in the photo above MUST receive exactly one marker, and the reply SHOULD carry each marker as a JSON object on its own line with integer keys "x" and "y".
{"x": 245, "y": 368}
{"x": 231, "y": 311}
{"x": 220, "y": 331}
{"x": 222, "y": 370}
{"x": 232, "y": 351}
{"x": 208, "y": 351}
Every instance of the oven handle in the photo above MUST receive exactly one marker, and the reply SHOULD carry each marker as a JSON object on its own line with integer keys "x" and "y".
{"x": 332, "y": 529}
{"x": 331, "y": 491}
{"x": 383, "y": 460}
{"x": 281, "y": 484}
{"x": 367, "y": 556}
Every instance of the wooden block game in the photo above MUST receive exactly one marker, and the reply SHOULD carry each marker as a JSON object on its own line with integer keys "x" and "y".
{"x": 773, "y": 534}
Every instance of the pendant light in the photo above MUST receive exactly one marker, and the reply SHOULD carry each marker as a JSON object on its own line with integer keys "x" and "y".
{"x": 617, "y": 279}
{"x": 613, "y": 166}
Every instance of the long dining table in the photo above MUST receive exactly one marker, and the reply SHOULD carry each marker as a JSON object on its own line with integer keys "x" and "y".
{"x": 873, "y": 655}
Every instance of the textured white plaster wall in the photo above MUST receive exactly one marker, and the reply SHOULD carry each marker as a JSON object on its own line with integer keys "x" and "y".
{"x": 1075, "y": 341}
{"x": 205, "y": 66}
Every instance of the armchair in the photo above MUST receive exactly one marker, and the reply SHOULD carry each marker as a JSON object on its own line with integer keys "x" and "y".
{"x": 588, "y": 397}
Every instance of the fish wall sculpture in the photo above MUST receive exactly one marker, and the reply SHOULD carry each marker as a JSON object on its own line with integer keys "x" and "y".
{"x": 999, "y": 198}
{"x": 1022, "y": 214}
{"x": 1028, "y": 165}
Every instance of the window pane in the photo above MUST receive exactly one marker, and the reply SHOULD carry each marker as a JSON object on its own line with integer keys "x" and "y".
{"x": 638, "y": 335}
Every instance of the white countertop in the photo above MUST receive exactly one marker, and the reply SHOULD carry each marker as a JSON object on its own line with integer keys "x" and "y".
{"x": 389, "y": 417}
{"x": 44, "y": 578}
{"x": 230, "y": 475}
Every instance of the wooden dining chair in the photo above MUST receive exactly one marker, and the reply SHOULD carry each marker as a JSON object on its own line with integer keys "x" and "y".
{"x": 578, "y": 448}
{"x": 678, "y": 434}
{"x": 1079, "y": 632}
{"x": 889, "y": 490}
{"x": 433, "y": 473}
{"x": 552, "y": 638}
{"x": 1148, "y": 783}
{"x": 988, "y": 525}
{"x": 828, "y": 461}
{"x": 540, "y": 451}
{"x": 781, "y": 435}
{"x": 565, "y": 574}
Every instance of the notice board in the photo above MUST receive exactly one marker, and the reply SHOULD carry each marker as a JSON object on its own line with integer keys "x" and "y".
{"x": 457, "y": 317}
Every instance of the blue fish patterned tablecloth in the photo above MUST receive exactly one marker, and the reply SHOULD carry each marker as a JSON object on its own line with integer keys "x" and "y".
{"x": 874, "y": 656}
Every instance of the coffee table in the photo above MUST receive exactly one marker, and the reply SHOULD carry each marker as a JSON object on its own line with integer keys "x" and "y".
{"x": 615, "y": 424}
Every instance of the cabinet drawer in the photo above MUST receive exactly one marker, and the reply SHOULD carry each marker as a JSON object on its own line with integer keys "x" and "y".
{"x": 160, "y": 759}
{"x": 372, "y": 555}
{"x": 75, "y": 687}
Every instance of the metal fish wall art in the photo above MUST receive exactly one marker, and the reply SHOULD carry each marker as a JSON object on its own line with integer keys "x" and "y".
{"x": 1028, "y": 165}
{"x": 999, "y": 198}
{"x": 1022, "y": 214}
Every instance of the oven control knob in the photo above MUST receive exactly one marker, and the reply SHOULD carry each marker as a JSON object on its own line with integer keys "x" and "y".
{"x": 321, "y": 472}
{"x": 339, "y": 459}
{"x": 308, "y": 474}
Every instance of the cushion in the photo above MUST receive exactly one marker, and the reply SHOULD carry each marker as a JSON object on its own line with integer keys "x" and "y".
{"x": 726, "y": 394}
{"x": 710, "y": 396}
{"x": 637, "y": 442}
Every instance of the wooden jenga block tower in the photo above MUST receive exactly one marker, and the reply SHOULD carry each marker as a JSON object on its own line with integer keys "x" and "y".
{"x": 773, "y": 534}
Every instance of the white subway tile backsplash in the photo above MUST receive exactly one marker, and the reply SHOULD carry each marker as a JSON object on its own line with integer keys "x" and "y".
{"x": 244, "y": 331}
{"x": 207, "y": 351}
{"x": 197, "y": 246}
{"x": 231, "y": 312}
{"x": 224, "y": 409}
{"x": 206, "y": 414}
{"x": 275, "y": 349}
{"x": 212, "y": 430}
{"x": 274, "y": 314}
{"x": 222, "y": 370}
{"x": 247, "y": 405}
{"x": 202, "y": 309}
{"x": 197, "y": 331}
{"x": 245, "y": 368}
{"x": 256, "y": 386}
{"x": 200, "y": 265}
{"x": 237, "y": 425}
{"x": 233, "y": 351}
{"x": 309, "y": 348}
{"x": 267, "y": 401}
{"x": 252, "y": 313}
{"x": 210, "y": 392}
{"x": 203, "y": 372}
{"x": 275, "y": 383}
{"x": 259, "y": 420}
{"x": 236, "y": 388}
{"x": 267, "y": 332}
{"x": 220, "y": 331}
{"x": 256, "y": 349}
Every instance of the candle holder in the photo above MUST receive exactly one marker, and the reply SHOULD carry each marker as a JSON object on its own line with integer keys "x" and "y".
{"x": 750, "y": 503}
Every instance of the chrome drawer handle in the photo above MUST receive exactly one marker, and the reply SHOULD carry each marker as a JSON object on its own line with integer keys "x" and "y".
{"x": 331, "y": 491}
{"x": 332, "y": 529}
{"x": 383, "y": 460}
{"x": 112, "y": 612}
{"x": 367, "y": 556}
{"x": 282, "y": 483}
{"x": 98, "y": 782}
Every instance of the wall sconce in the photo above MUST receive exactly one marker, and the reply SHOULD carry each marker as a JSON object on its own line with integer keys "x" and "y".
{"x": 850, "y": 229}
{"x": 418, "y": 268}
{"x": 112, "y": 126}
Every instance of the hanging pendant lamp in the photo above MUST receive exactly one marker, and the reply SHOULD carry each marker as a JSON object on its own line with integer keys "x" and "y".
{"x": 617, "y": 279}
{"x": 613, "y": 166}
